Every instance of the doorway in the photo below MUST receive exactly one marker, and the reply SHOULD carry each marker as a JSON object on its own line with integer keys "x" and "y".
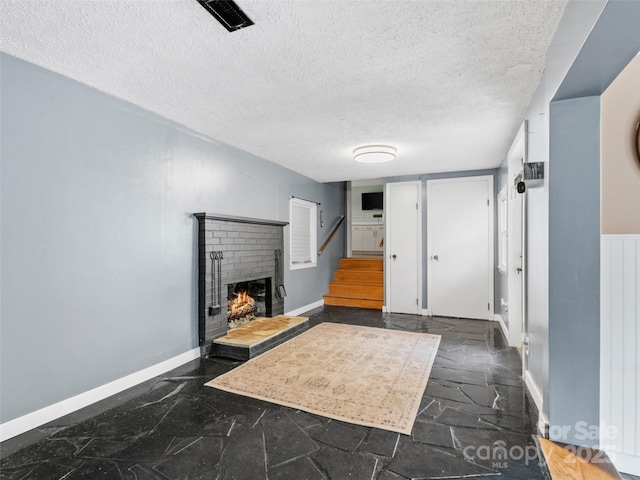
{"x": 365, "y": 219}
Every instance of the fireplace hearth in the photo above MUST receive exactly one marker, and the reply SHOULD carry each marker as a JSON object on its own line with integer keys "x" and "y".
{"x": 237, "y": 255}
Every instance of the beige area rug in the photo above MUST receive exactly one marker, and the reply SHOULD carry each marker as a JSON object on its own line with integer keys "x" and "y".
{"x": 362, "y": 375}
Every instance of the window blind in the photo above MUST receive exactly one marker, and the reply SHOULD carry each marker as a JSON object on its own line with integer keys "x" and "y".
{"x": 303, "y": 233}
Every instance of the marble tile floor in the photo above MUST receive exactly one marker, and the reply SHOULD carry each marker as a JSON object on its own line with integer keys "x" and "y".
{"x": 475, "y": 409}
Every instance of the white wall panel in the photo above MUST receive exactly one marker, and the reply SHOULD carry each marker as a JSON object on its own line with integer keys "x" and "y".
{"x": 620, "y": 350}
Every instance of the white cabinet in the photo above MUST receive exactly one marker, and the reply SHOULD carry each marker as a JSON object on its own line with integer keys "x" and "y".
{"x": 378, "y": 234}
{"x": 367, "y": 238}
{"x": 356, "y": 238}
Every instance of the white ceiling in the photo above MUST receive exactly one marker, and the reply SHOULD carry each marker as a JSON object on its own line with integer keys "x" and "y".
{"x": 445, "y": 82}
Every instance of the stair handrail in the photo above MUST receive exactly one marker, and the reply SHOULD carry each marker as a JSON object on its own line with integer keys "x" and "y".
{"x": 333, "y": 232}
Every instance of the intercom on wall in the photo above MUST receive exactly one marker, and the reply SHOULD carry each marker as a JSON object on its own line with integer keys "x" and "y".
{"x": 532, "y": 174}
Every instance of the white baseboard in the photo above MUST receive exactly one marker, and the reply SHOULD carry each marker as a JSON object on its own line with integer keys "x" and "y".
{"x": 543, "y": 425}
{"x": 423, "y": 311}
{"x": 625, "y": 463}
{"x": 306, "y": 308}
{"x": 536, "y": 394}
{"x": 505, "y": 331}
{"x": 32, "y": 420}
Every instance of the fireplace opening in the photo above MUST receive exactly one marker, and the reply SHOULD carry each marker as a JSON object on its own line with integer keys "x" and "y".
{"x": 247, "y": 301}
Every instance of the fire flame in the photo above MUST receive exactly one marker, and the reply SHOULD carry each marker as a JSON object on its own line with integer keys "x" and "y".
{"x": 241, "y": 305}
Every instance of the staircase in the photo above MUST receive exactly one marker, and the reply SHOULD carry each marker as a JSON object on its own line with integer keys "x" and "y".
{"x": 358, "y": 283}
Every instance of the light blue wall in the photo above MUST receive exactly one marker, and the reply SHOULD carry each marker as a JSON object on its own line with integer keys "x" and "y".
{"x": 611, "y": 45}
{"x": 574, "y": 220}
{"x": 575, "y": 25}
{"x": 574, "y": 266}
{"x": 593, "y": 42}
{"x": 98, "y": 242}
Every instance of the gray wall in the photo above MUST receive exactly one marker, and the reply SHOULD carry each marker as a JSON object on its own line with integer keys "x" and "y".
{"x": 537, "y": 251}
{"x": 98, "y": 242}
{"x": 574, "y": 219}
{"x": 593, "y": 43}
{"x": 577, "y": 22}
{"x": 574, "y": 266}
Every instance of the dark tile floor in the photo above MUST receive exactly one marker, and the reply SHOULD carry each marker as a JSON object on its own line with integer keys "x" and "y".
{"x": 476, "y": 420}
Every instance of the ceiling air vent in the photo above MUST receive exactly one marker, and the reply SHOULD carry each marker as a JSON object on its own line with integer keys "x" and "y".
{"x": 227, "y": 13}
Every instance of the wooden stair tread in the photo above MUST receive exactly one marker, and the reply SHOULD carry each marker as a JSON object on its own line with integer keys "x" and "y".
{"x": 358, "y": 283}
{"x": 353, "y": 302}
{"x": 356, "y": 270}
{"x": 569, "y": 462}
{"x": 364, "y": 284}
{"x": 369, "y": 292}
{"x": 358, "y": 275}
{"x": 367, "y": 264}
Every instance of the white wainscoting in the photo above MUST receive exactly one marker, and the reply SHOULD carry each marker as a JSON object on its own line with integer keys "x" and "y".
{"x": 620, "y": 350}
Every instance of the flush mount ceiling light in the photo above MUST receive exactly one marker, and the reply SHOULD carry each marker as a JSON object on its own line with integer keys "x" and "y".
{"x": 374, "y": 154}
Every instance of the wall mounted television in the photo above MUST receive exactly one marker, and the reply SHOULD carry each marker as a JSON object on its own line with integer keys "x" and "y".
{"x": 372, "y": 201}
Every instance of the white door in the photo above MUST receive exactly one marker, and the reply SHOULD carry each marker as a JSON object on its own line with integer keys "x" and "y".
{"x": 514, "y": 313}
{"x": 403, "y": 247}
{"x": 460, "y": 247}
{"x": 515, "y": 274}
{"x": 522, "y": 296}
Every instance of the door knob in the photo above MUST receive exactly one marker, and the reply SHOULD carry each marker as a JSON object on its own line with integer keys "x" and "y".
{"x": 435, "y": 257}
{"x": 393, "y": 256}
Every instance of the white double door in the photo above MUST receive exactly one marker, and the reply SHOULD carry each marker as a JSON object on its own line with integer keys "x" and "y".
{"x": 459, "y": 258}
{"x": 460, "y": 247}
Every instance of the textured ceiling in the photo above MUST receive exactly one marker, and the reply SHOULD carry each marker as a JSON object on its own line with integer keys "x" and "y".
{"x": 445, "y": 82}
